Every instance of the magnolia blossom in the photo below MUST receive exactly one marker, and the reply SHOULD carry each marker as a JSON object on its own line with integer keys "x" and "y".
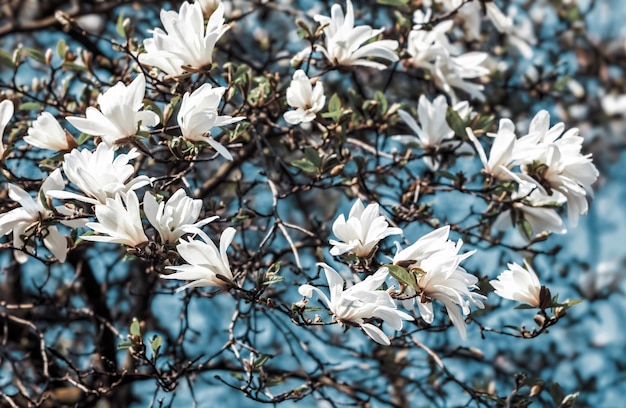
{"x": 206, "y": 266}
{"x": 119, "y": 220}
{"x": 304, "y": 98}
{"x": 186, "y": 42}
{"x": 359, "y": 302}
{"x": 518, "y": 283}
{"x": 99, "y": 175}
{"x": 344, "y": 41}
{"x": 433, "y": 129}
{"x": 501, "y": 153}
{"x": 531, "y": 205}
{"x": 436, "y": 262}
{"x": 362, "y": 231}
{"x": 6, "y": 113}
{"x": 198, "y": 115}
{"x": 430, "y": 49}
{"x": 172, "y": 219}
{"x": 47, "y": 133}
{"x": 554, "y": 162}
{"x": 120, "y": 113}
{"x": 32, "y": 218}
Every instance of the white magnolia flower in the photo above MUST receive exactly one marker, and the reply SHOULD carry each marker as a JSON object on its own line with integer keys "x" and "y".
{"x": 47, "y": 133}
{"x": 206, "y": 266}
{"x": 425, "y": 45}
{"x": 99, "y": 175}
{"x": 362, "y": 231}
{"x": 501, "y": 153}
{"x": 344, "y": 42}
{"x": 119, "y": 220}
{"x": 208, "y": 6}
{"x": 359, "y": 302}
{"x": 534, "y": 207}
{"x": 304, "y": 98}
{"x": 518, "y": 283}
{"x": 6, "y": 113}
{"x": 172, "y": 219}
{"x": 453, "y": 72}
{"x": 555, "y": 163}
{"x": 120, "y": 113}
{"x": 432, "y": 130}
{"x": 32, "y": 218}
{"x": 436, "y": 262}
{"x": 198, "y": 115}
{"x": 186, "y": 41}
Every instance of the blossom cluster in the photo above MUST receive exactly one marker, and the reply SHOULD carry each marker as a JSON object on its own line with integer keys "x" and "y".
{"x": 538, "y": 171}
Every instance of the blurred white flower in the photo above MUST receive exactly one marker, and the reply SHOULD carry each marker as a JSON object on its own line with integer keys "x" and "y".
{"x": 99, "y": 175}
{"x": 119, "y": 220}
{"x": 32, "y": 218}
{"x": 172, "y": 219}
{"x": 533, "y": 206}
{"x": 344, "y": 42}
{"x": 120, "y": 113}
{"x": 198, "y": 115}
{"x": 304, "y": 98}
{"x": 501, "y": 153}
{"x": 186, "y": 43}
{"x": 432, "y": 130}
{"x": 605, "y": 279}
{"x": 518, "y": 283}
{"x": 47, "y": 133}
{"x": 453, "y": 72}
{"x": 206, "y": 266}
{"x": 555, "y": 163}
{"x": 362, "y": 232}
{"x": 6, "y": 113}
{"x": 425, "y": 45}
{"x": 359, "y": 302}
{"x": 436, "y": 262}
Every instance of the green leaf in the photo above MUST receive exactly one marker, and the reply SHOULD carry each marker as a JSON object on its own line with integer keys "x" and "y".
{"x": 62, "y": 49}
{"x": 238, "y": 376}
{"x": 119, "y": 26}
{"x": 125, "y": 345}
{"x": 304, "y": 165}
{"x": 524, "y": 306}
{"x": 135, "y": 329}
{"x": 334, "y": 105}
{"x": 6, "y": 59}
{"x": 274, "y": 268}
{"x": 261, "y": 360}
{"x": 82, "y": 138}
{"x": 36, "y": 55}
{"x": 156, "y": 343}
{"x": 382, "y": 101}
{"x": 70, "y": 66}
{"x": 557, "y": 393}
{"x": 313, "y": 156}
{"x": 272, "y": 280}
{"x": 393, "y": 3}
{"x": 29, "y": 106}
{"x": 409, "y": 278}
{"x": 526, "y": 229}
{"x": 456, "y": 123}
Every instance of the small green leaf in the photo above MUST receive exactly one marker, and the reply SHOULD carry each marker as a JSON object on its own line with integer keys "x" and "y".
{"x": 62, "y": 48}
{"x": 274, "y": 268}
{"x": 238, "y": 376}
{"x": 261, "y": 360}
{"x": 125, "y": 345}
{"x": 36, "y": 55}
{"x": 70, "y": 66}
{"x": 82, "y": 138}
{"x": 403, "y": 276}
{"x": 6, "y": 59}
{"x": 156, "y": 343}
{"x": 135, "y": 329}
{"x": 393, "y": 3}
{"x": 382, "y": 101}
{"x": 313, "y": 156}
{"x": 526, "y": 229}
{"x": 304, "y": 165}
{"x": 30, "y": 106}
{"x": 524, "y": 306}
{"x": 557, "y": 393}
{"x": 119, "y": 26}
{"x": 455, "y": 122}
{"x": 334, "y": 105}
